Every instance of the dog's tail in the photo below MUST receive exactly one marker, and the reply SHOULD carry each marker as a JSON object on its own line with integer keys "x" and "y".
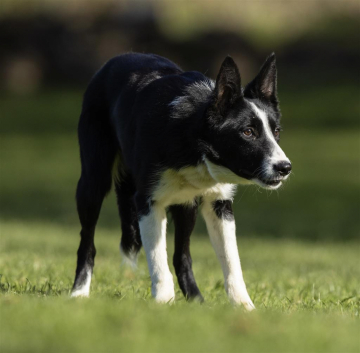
{"x": 130, "y": 244}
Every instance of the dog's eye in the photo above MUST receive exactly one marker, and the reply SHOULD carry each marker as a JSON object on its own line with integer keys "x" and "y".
{"x": 248, "y": 132}
{"x": 277, "y": 132}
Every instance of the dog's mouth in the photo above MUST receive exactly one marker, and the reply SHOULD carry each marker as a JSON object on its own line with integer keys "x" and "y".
{"x": 271, "y": 184}
{"x": 274, "y": 182}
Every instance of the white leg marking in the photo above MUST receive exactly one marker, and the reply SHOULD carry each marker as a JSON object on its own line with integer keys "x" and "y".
{"x": 223, "y": 238}
{"x": 84, "y": 290}
{"x": 153, "y": 236}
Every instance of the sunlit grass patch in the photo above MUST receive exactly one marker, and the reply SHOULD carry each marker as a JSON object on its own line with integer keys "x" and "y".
{"x": 307, "y": 297}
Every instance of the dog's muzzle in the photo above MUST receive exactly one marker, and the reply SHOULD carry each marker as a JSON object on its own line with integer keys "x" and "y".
{"x": 282, "y": 168}
{"x": 273, "y": 175}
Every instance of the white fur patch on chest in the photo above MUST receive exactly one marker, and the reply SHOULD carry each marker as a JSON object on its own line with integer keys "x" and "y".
{"x": 224, "y": 175}
{"x": 182, "y": 186}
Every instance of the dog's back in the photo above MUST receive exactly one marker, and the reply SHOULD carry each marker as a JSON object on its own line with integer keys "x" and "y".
{"x": 111, "y": 94}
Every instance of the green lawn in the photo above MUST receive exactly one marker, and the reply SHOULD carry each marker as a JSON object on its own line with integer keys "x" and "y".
{"x": 299, "y": 249}
{"x": 307, "y": 298}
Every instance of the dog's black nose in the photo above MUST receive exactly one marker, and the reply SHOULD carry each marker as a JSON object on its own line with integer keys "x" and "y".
{"x": 283, "y": 168}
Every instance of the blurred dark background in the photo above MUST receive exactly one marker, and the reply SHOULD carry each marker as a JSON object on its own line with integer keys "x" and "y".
{"x": 49, "y": 51}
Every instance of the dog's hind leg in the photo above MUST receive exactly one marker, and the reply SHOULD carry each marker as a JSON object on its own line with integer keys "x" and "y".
{"x": 130, "y": 239}
{"x": 220, "y": 223}
{"x": 97, "y": 150}
{"x": 184, "y": 217}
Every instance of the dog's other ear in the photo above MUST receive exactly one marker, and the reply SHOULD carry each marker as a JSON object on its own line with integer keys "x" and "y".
{"x": 228, "y": 85}
{"x": 264, "y": 85}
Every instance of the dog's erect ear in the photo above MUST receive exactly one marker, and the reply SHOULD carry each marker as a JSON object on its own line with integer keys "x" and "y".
{"x": 263, "y": 86}
{"x": 228, "y": 85}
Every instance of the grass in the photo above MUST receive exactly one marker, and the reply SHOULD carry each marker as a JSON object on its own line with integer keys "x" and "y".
{"x": 299, "y": 249}
{"x": 307, "y": 298}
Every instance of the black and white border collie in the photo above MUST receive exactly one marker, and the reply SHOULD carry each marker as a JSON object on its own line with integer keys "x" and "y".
{"x": 179, "y": 141}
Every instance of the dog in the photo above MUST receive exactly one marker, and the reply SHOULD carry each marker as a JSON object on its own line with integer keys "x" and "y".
{"x": 177, "y": 141}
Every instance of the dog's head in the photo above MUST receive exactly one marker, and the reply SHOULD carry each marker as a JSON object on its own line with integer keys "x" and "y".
{"x": 243, "y": 129}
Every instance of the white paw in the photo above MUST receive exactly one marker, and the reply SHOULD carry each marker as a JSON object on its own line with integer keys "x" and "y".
{"x": 249, "y": 305}
{"x": 238, "y": 295}
{"x": 82, "y": 291}
{"x": 163, "y": 292}
{"x": 242, "y": 299}
{"x": 79, "y": 293}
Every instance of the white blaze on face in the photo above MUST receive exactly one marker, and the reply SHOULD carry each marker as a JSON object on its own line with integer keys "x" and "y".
{"x": 277, "y": 154}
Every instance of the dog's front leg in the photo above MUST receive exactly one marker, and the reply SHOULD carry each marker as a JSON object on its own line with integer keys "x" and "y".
{"x": 220, "y": 223}
{"x": 153, "y": 235}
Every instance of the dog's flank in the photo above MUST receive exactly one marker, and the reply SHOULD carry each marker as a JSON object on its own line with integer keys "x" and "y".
{"x": 179, "y": 141}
